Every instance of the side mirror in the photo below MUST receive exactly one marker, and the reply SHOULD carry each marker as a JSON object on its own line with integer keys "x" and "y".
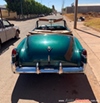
{"x": 11, "y": 24}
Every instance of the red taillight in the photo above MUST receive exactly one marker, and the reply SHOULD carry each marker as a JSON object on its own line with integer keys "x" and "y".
{"x": 84, "y": 52}
{"x": 14, "y": 52}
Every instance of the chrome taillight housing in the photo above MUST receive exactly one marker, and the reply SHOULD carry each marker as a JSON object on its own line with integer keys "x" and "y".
{"x": 14, "y": 55}
{"x": 14, "y": 52}
{"x": 84, "y": 53}
{"x": 84, "y": 56}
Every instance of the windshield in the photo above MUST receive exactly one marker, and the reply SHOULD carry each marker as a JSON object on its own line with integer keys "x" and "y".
{"x": 60, "y": 23}
{"x": 51, "y": 24}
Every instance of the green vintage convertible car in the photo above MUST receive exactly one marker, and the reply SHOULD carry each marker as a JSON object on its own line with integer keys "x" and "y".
{"x": 49, "y": 48}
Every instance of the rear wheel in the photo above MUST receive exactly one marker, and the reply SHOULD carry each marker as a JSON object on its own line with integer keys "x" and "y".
{"x": 17, "y": 34}
{"x": 0, "y": 44}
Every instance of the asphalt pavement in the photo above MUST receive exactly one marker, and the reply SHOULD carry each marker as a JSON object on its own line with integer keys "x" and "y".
{"x": 51, "y": 88}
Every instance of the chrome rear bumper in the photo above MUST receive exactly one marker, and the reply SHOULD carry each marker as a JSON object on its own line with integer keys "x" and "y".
{"x": 47, "y": 70}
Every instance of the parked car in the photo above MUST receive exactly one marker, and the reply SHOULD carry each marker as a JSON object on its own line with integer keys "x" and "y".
{"x": 7, "y": 31}
{"x": 49, "y": 48}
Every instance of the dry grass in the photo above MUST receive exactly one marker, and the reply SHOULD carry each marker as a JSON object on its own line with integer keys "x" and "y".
{"x": 91, "y": 19}
{"x": 71, "y": 16}
{"x": 93, "y": 23}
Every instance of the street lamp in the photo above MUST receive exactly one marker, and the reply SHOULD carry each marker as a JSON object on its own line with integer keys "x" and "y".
{"x": 48, "y": 3}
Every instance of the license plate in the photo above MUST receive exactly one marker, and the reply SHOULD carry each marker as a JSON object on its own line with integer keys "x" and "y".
{"x": 48, "y": 68}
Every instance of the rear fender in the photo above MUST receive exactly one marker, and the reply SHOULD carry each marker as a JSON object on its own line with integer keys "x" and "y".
{"x": 15, "y": 58}
{"x": 81, "y": 50}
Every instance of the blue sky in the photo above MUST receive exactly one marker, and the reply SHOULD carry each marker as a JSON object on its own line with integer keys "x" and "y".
{"x": 58, "y": 3}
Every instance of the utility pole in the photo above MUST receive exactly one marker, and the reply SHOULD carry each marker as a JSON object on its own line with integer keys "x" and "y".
{"x": 48, "y": 3}
{"x": 75, "y": 14}
{"x": 21, "y": 9}
{"x": 40, "y": 9}
{"x": 62, "y": 6}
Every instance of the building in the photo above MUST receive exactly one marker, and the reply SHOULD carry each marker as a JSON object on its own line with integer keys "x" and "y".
{"x": 6, "y": 14}
{"x": 84, "y": 8}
